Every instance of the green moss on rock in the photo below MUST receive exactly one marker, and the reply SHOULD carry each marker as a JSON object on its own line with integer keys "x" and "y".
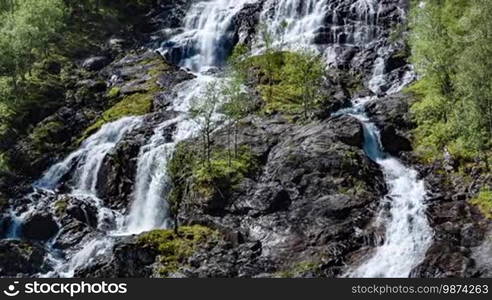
{"x": 114, "y": 92}
{"x": 484, "y": 202}
{"x": 298, "y": 269}
{"x": 132, "y": 105}
{"x": 175, "y": 247}
{"x": 61, "y": 206}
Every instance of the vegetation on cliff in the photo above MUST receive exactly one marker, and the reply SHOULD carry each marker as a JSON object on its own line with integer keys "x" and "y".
{"x": 292, "y": 83}
{"x": 451, "y": 46}
{"x": 39, "y": 42}
{"x": 452, "y": 51}
{"x": 195, "y": 176}
{"x": 175, "y": 246}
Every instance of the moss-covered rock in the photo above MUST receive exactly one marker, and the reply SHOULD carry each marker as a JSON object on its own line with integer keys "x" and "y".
{"x": 113, "y": 92}
{"x": 275, "y": 76}
{"x": 135, "y": 95}
{"x": 61, "y": 206}
{"x": 483, "y": 200}
{"x": 133, "y": 105}
{"x": 174, "y": 247}
{"x": 299, "y": 269}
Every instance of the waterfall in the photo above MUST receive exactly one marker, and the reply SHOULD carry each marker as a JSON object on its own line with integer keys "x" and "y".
{"x": 150, "y": 209}
{"x": 89, "y": 157}
{"x": 408, "y": 234}
{"x": 85, "y": 163}
{"x": 321, "y": 25}
{"x": 206, "y": 39}
{"x": 293, "y": 23}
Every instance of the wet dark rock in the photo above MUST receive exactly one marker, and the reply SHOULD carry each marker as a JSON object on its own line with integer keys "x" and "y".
{"x": 246, "y": 22}
{"x": 348, "y": 130}
{"x": 391, "y": 115}
{"x": 313, "y": 190}
{"x": 69, "y": 209}
{"x": 172, "y": 13}
{"x": 129, "y": 259}
{"x": 394, "y": 143}
{"x": 443, "y": 261}
{"x": 95, "y": 63}
{"x": 20, "y": 258}
{"x": 39, "y": 226}
{"x": 72, "y": 235}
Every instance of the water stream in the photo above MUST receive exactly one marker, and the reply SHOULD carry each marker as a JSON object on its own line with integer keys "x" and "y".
{"x": 408, "y": 234}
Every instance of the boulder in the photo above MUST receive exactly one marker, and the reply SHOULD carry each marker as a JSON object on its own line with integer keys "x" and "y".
{"x": 129, "y": 259}
{"x": 39, "y": 226}
{"x": 391, "y": 115}
{"x": 443, "y": 261}
{"x": 348, "y": 130}
{"x": 393, "y": 142}
{"x": 246, "y": 22}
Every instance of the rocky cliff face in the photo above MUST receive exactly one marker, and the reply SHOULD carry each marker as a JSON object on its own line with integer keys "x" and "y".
{"x": 309, "y": 206}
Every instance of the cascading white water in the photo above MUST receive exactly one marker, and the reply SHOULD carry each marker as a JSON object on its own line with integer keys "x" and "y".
{"x": 321, "y": 25}
{"x": 150, "y": 209}
{"x": 206, "y": 23}
{"x": 408, "y": 234}
{"x": 89, "y": 157}
{"x": 205, "y": 26}
{"x": 293, "y": 23}
{"x": 87, "y": 162}
{"x": 204, "y": 34}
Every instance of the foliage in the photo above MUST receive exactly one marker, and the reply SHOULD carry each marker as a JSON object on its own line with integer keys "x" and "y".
{"x": 289, "y": 82}
{"x": 223, "y": 174}
{"x": 175, "y": 247}
{"x": 39, "y": 41}
{"x": 451, "y": 45}
{"x": 26, "y": 31}
{"x": 237, "y": 104}
{"x": 114, "y": 92}
{"x": 42, "y": 136}
{"x": 3, "y": 163}
{"x": 304, "y": 71}
{"x": 191, "y": 176}
{"x": 61, "y": 206}
{"x": 204, "y": 113}
{"x": 484, "y": 201}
